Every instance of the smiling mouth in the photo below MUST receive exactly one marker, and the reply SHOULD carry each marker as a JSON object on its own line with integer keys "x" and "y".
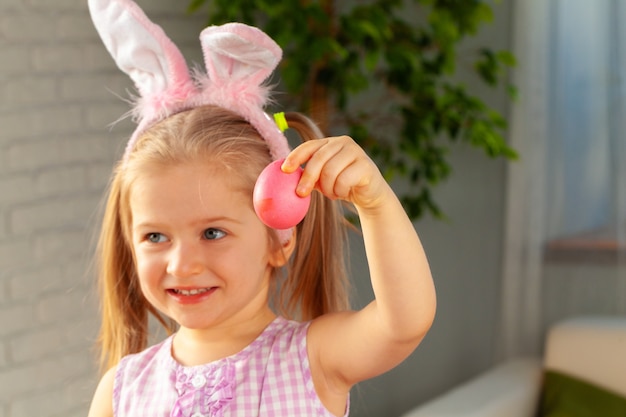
{"x": 191, "y": 292}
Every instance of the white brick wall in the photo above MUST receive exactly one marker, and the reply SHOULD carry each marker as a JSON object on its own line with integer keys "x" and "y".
{"x": 56, "y": 153}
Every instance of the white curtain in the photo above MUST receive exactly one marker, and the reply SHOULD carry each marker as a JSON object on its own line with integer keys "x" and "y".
{"x": 569, "y": 126}
{"x": 619, "y": 150}
{"x": 521, "y": 278}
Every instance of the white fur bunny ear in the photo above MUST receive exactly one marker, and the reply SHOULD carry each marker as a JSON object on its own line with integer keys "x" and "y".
{"x": 238, "y": 60}
{"x": 235, "y": 53}
{"x": 143, "y": 51}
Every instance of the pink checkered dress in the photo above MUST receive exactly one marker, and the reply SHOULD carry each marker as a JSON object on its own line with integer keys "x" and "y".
{"x": 269, "y": 377}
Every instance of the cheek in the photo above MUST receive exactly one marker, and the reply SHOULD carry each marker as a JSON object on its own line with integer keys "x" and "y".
{"x": 148, "y": 279}
{"x": 148, "y": 269}
{"x": 246, "y": 261}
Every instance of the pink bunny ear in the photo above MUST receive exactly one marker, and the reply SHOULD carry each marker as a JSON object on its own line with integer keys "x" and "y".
{"x": 143, "y": 51}
{"x": 239, "y": 59}
{"x": 236, "y": 53}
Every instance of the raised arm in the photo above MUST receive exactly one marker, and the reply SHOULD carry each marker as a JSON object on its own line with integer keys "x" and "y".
{"x": 354, "y": 346}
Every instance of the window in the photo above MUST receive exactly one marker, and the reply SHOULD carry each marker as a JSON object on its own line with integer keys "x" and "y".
{"x": 567, "y": 193}
{"x": 585, "y": 205}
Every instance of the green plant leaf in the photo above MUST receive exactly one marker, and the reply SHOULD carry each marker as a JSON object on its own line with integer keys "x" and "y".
{"x": 389, "y": 78}
{"x": 195, "y": 5}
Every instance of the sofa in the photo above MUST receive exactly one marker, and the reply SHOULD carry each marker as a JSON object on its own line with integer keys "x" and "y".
{"x": 582, "y": 374}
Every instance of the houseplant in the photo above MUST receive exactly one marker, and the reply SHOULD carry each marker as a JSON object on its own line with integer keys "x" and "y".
{"x": 387, "y": 79}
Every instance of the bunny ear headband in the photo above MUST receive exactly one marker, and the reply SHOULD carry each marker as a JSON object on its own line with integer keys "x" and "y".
{"x": 238, "y": 59}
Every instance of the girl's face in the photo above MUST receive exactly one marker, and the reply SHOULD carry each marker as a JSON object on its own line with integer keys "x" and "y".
{"x": 202, "y": 255}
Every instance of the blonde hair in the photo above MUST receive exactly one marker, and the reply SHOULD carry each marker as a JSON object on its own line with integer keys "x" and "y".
{"x": 313, "y": 283}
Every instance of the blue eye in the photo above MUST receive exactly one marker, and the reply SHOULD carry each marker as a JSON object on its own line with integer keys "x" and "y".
{"x": 155, "y": 237}
{"x": 212, "y": 234}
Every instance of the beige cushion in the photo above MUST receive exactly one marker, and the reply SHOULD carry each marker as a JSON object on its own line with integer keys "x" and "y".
{"x": 590, "y": 348}
{"x": 510, "y": 389}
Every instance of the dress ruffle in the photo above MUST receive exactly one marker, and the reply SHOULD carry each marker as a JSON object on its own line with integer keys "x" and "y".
{"x": 204, "y": 391}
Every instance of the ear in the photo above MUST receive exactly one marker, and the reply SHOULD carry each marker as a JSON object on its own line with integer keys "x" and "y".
{"x": 235, "y": 53}
{"x": 280, "y": 254}
{"x": 239, "y": 59}
{"x": 141, "y": 49}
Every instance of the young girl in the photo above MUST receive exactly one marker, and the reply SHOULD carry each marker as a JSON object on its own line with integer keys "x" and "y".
{"x": 258, "y": 318}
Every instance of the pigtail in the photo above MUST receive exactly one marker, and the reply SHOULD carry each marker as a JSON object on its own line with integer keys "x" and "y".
{"x": 124, "y": 310}
{"x": 317, "y": 281}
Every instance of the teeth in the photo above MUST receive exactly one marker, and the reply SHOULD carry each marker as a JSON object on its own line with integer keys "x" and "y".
{"x": 191, "y": 292}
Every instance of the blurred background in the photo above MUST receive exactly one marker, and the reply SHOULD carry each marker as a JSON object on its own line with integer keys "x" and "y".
{"x": 524, "y": 243}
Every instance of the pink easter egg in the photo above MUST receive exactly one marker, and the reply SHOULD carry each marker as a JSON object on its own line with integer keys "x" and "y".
{"x": 275, "y": 199}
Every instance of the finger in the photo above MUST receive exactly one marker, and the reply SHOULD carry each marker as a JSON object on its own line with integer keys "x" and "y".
{"x": 351, "y": 180}
{"x": 333, "y": 170}
{"x": 322, "y": 168}
{"x": 301, "y": 154}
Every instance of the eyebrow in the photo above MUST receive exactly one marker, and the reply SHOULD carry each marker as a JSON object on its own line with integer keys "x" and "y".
{"x": 152, "y": 224}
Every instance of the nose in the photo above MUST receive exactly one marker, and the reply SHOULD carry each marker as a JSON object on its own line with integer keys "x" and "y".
{"x": 185, "y": 260}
